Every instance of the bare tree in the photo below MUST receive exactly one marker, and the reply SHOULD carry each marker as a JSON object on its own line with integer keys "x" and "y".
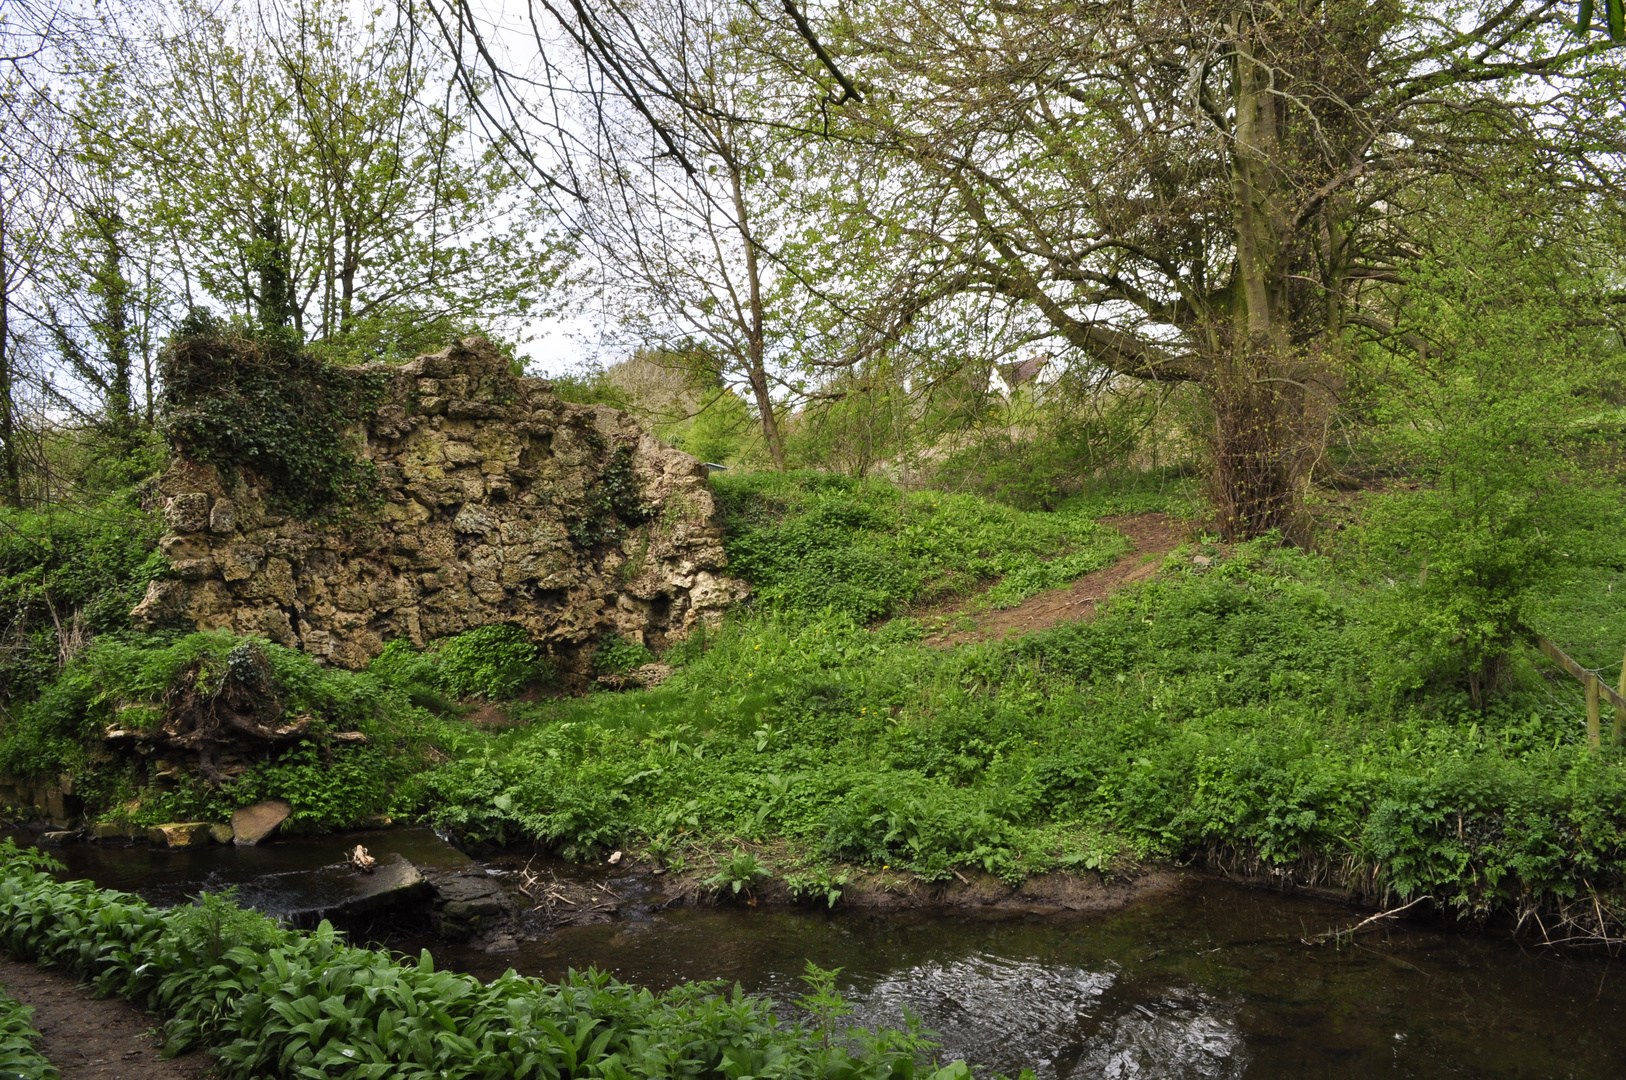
{"x": 30, "y": 205}
{"x": 688, "y": 227}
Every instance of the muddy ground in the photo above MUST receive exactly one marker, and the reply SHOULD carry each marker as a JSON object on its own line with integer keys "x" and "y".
{"x": 89, "y": 1038}
{"x": 1153, "y": 537}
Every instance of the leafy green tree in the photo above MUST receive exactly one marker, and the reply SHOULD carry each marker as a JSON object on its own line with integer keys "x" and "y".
{"x": 312, "y": 177}
{"x": 1512, "y": 365}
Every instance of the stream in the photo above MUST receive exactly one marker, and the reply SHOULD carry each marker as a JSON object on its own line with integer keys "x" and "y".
{"x": 1209, "y": 980}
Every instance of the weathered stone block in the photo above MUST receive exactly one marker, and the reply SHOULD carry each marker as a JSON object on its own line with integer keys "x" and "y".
{"x": 107, "y": 830}
{"x": 474, "y": 518}
{"x": 193, "y": 569}
{"x": 240, "y": 562}
{"x": 179, "y": 834}
{"x": 188, "y": 512}
{"x": 250, "y": 825}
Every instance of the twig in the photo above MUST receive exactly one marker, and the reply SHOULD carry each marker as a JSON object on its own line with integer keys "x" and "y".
{"x": 1334, "y": 935}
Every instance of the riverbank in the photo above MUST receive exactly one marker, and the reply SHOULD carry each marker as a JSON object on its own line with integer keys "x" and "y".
{"x": 1208, "y": 979}
{"x": 276, "y": 1002}
{"x": 1244, "y": 707}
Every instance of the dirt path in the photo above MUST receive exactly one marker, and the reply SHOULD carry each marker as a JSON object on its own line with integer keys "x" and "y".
{"x": 1153, "y": 536}
{"x": 90, "y": 1038}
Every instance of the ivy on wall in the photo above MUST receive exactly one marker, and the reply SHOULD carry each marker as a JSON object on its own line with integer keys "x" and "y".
{"x": 265, "y": 404}
{"x": 613, "y": 504}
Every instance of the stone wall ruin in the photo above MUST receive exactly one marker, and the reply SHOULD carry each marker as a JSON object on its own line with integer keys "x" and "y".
{"x": 499, "y": 503}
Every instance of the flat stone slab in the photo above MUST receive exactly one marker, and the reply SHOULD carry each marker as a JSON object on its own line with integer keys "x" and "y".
{"x": 179, "y": 834}
{"x": 107, "y": 830}
{"x": 252, "y": 824}
{"x": 465, "y": 895}
{"x": 342, "y": 892}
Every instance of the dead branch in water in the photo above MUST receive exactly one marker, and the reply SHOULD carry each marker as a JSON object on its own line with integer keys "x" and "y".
{"x": 1338, "y": 935}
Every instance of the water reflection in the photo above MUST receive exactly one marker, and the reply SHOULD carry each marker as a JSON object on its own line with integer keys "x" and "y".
{"x": 1212, "y": 981}
{"x": 1184, "y": 1034}
{"x": 985, "y": 1000}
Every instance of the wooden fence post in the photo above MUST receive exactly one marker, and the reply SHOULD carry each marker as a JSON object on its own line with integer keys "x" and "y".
{"x": 1620, "y": 710}
{"x": 1593, "y": 732}
{"x": 1596, "y": 690}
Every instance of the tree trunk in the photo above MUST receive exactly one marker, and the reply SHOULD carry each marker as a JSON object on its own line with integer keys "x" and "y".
{"x": 115, "y": 328}
{"x": 347, "y": 281}
{"x": 756, "y": 332}
{"x": 11, "y": 485}
{"x": 1255, "y": 387}
{"x": 1257, "y": 448}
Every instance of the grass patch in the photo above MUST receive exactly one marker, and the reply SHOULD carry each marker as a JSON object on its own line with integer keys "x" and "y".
{"x": 819, "y": 542}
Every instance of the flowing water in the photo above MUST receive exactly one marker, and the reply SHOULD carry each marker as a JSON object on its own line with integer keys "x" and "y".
{"x": 1209, "y": 980}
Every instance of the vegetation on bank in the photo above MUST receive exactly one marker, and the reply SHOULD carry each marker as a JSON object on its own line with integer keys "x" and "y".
{"x": 406, "y": 705}
{"x": 68, "y": 574}
{"x": 283, "y": 1003}
{"x": 1259, "y": 710}
{"x": 1256, "y": 710}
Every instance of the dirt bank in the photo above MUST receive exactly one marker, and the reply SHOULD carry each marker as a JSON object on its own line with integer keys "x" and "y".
{"x": 550, "y": 894}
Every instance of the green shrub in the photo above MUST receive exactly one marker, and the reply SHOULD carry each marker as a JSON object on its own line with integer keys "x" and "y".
{"x": 621, "y": 655}
{"x": 929, "y": 829}
{"x": 264, "y": 403}
{"x": 282, "y": 1003}
{"x": 494, "y": 662}
{"x": 737, "y": 874}
{"x": 819, "y": 885}
{"x": 1467, "y": 561}
{"x": 1041, "y": 472}
{"x": 68, "y": 575}
{"x": 576, "y": 807}
{"x": 19, "y": 1042}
